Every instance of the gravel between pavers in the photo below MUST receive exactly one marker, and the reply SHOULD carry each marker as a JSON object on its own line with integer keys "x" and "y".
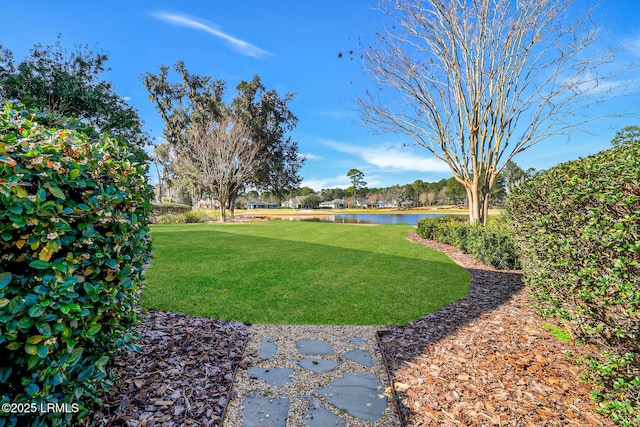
{"x": 304, "y": 381}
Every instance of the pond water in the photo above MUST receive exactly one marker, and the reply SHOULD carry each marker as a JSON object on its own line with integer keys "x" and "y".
{"x": 411, "y": 219}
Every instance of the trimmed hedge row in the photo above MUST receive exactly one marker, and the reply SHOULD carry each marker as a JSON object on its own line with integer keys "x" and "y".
{"x": 191, "y": 217}
{"x": 159, "y": 210}
{"x": 578, "y": 229}
{"x": 73, "y": 244}
{"x": 491, "y": 244}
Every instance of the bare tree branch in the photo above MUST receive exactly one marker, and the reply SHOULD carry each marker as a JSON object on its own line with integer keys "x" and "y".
{"x": 222, "y": 157}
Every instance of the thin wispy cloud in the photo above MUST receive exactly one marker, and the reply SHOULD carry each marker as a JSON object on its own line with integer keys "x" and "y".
{"x": 244, "y": 47}
{"x": 337, "y": 114}
{"x": 311, "y": 156}
{"x": 391, "y": 158}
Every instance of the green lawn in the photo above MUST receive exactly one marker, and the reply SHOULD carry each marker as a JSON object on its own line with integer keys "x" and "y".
{"x": 299, "y": 273}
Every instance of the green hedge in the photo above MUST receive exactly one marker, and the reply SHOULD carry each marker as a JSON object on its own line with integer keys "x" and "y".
{"x": 161, "y": 209}
{"x": 191, "y": 217}
{"x": 578, "y": 227}
{"x": 491, "y": 244}
{"x": 73, "y": 244}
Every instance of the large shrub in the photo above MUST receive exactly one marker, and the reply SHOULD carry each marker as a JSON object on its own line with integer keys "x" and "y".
{"x": 159, "y": 210}
{"x": 491, "y": 244}
{"x": 578, "y": 227}
{"x": 73, "y": 244}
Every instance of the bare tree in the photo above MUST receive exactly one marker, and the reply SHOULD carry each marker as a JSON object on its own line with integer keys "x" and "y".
{"x": 222, "y": 158}
{"x": 482, "y": 80}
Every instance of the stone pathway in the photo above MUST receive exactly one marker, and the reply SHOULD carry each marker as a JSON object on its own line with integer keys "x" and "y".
{"x": 314, "y": 376}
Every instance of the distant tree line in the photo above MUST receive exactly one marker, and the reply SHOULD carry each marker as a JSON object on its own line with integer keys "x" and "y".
{"x": 418, "y": 193}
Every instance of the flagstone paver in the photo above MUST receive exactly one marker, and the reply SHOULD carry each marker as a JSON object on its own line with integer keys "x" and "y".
{"x": 318, "y": 347}
{"x": 344, "y": 384}
{"x": 363, "y": 357}
{"x": 268, "y": 348}
{"x": 319, "y": 366}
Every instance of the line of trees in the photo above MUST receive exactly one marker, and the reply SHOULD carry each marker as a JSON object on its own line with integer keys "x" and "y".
{"x": 418, "y": 193}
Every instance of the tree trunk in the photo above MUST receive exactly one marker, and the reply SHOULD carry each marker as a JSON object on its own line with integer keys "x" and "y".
{"x": 223, "y": 210}
{"x": 232, "y": 203}
{"x": 475, "y": 205}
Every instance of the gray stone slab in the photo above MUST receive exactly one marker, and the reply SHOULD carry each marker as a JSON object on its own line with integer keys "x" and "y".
{"x": 319, "y": 366}
{"x": 272, "y": 376}
{"x": 360, "y": 394}
{"x": 268, "y": 349}
{"x": 322, "y": 418}
{"x": 363, "y": 357}
{"x": 264, "y": 411}
{"x": 319, "y": 347}
{"x": 354, "y": 340}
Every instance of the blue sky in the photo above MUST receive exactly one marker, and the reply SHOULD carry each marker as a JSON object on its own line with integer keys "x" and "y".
{"x": 293, "y": 46}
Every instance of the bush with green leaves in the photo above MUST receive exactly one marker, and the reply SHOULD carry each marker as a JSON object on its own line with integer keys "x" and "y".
{"x": 74, "y": 243}
{"x": 162, "y": 209}
{"x": 491, "y": 244}
{"x": 578, "y": 228}
{"x": 191, "y": 217}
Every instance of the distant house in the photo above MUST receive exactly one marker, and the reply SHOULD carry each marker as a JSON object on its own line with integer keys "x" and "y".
{"x": 380, "y": 204}
{"x": 261, "y": 205}
{"x": 333, "y": 204}
{"x": 293, "y": 203}
{"x": 257, "y": 205}
{"x": 364, "y": 204}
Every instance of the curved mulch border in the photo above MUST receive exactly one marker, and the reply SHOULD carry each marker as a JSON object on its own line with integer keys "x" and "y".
{"x": 486, "y": 360}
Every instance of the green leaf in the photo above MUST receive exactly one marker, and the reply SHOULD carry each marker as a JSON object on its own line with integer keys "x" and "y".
{"x": 5, "y": 373}
{"x": 33, "y": 361}
{"x": 39, "y": 264}
{"x": 86, "y": 372}
{"x": 44, "y": 329}
{"x": 31, "y": 349}
{"x": 25, "y": 323}
{"x": 57, "y": 192}
{"x": 15, "y": 305}
{"x": 4, "y": 302}
{"x": 40, "y": 290}
{"x": 102, "y": 361}
{"x": 34, "y": 339}
{"x": 32, "y": 388}
{"x": 93, "y": 330}
{"x": 31, "y": 299}
{"x": 43, "y": 351}
{"x": 19, "y": 191}
{"x": 41, "y": 195}
{"x": 14, "y": 345}
{"x": 74, "y": 173}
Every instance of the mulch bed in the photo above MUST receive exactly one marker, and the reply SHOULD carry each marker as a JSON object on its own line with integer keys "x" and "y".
{"x": 486, "y": 360}
{"x": 182, "y": 375}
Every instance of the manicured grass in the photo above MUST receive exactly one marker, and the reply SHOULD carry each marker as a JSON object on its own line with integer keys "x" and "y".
{"x": 299, "y": 273}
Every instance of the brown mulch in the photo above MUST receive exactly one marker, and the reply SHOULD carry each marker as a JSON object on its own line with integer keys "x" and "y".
{"x": 486, "y": 360}
{"x": 181, "y": 376}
